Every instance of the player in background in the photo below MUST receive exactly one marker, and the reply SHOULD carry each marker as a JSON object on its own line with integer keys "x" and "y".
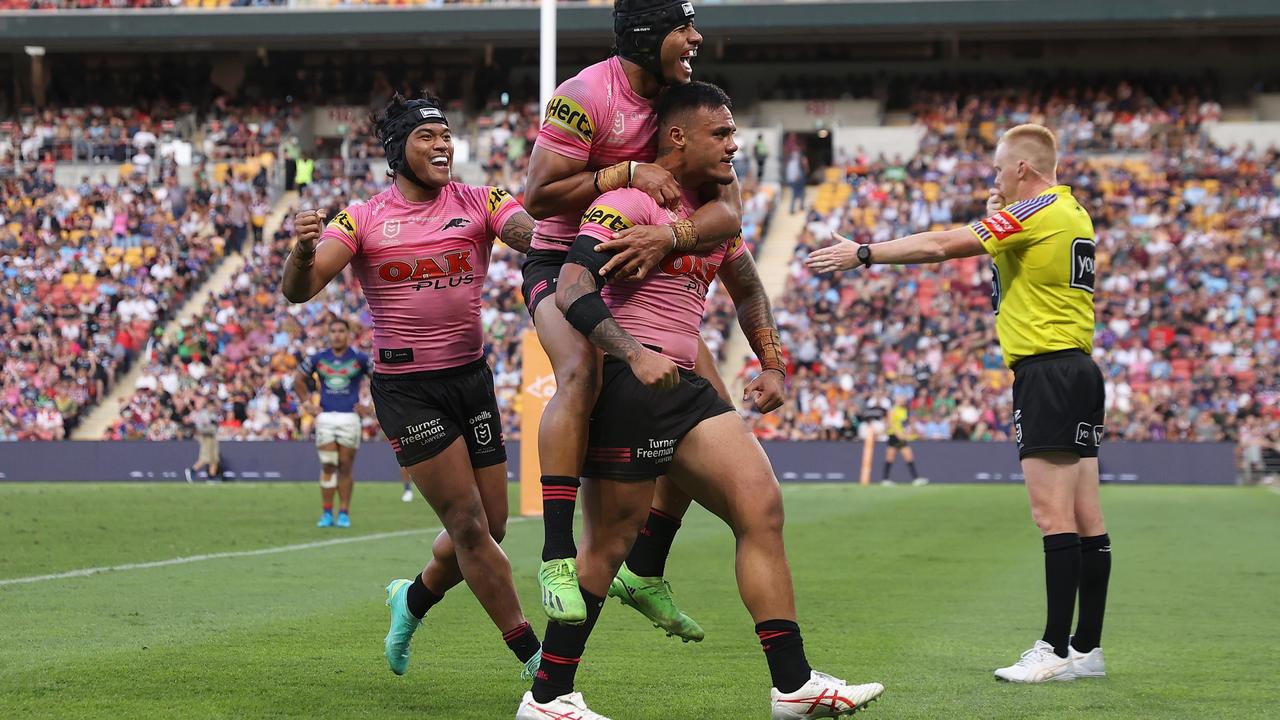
{"x": 598, "y": 136}
{"x": 1042, "y": 246}
{"x": 338, "y": 372}
{"x": 900, "y": 436}
{"x": 420, "y": 251}
{"x": 654, "y": 412}
{"x": 407, "y": 495}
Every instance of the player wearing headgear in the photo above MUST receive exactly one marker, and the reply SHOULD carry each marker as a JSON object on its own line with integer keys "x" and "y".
{"x": 420, "y": 251}
{"x": 598, "y": 136}
{"x": 341, "y": 371}
{"x": 655, "y": 413}
{"x": 1041, "y": 242}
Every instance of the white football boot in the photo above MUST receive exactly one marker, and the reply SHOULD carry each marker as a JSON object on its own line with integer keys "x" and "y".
{"x": 1090, "y": 664}
{"x": 565, "y": 707}
{"x": 823, "y": 697}
{"x": 1039, "y": 664}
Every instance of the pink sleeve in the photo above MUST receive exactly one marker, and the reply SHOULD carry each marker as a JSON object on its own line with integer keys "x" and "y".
{"x": 618, "y": 210}
{"x": 346, "y": 226}
{"x": 570, "y": 122}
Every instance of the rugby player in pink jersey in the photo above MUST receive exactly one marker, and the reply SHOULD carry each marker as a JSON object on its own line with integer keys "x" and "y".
{"x": 420, "y": 251}
{"x": 655, "y": 413}
{"x": 598, "y": 135}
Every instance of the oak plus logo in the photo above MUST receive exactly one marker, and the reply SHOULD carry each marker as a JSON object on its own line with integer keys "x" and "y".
{"x": 700, "y": 271}
{"x": 451, "y": 269}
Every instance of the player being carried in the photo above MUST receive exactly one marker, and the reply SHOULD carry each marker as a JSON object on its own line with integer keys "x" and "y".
{"x": 420, "y": 251}
{"x": 599, "y": 136}
{"x": 341, "y": 370}
{"x": 654, "y": 413}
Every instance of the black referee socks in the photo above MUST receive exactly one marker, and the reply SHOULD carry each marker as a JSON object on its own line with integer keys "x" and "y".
{"x": 1095, "y": 573}
{"x": 1061, "y": 580}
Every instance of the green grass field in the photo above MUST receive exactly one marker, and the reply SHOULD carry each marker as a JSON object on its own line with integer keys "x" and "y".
{"x": 924, "y": 589}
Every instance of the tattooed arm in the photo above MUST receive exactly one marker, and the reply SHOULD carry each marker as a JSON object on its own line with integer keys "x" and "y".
{"x": 755, "y": 317}
{"x": 578, "y": 298}
{"x": 518, "y": 232}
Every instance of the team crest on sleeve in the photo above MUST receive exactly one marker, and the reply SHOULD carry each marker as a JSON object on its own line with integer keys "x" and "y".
{"x": 497, "y": 198}
{"x": 569, "y": 116}
{"x": 606, "y": 216}
{"x": 344, "y": 223}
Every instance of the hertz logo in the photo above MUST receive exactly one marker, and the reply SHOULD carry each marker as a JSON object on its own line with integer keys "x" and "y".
{"x": 570, "y": 117}
{"x": 497, "y": 198}
{"x": 344, "y": 223}
{"x": 606, "y": 216}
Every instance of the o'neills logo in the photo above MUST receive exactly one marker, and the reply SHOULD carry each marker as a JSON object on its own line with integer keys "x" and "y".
{"x": 451, "y": 269}
{"x": 698, "y": 267}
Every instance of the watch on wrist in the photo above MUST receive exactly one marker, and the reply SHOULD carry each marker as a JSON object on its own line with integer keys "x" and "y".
{"x": 864, "y": 255}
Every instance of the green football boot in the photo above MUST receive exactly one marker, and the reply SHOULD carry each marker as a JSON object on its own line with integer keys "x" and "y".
{"x": 652, "y": 597}
{"x": 561, "y": 598}
{"x": 403, "y": 625}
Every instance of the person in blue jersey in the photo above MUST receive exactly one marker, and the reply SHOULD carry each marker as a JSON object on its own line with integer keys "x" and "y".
{"x": 338, "y": 373}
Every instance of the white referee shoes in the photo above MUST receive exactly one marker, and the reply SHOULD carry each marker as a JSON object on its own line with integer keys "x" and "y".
{"x": 1042, "y": 664}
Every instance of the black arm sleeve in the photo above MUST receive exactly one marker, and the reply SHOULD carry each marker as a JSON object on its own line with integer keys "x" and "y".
{"x": 584, "y": 253}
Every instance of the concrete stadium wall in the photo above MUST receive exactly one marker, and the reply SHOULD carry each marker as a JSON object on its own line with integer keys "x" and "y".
{"x": 948, "y": 462}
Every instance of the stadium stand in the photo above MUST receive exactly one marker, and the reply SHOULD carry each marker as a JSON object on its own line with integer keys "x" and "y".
{"x": 88, "y": 272}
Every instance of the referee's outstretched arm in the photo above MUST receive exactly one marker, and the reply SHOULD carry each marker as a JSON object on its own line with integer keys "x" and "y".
{"x": 925, "y": 247}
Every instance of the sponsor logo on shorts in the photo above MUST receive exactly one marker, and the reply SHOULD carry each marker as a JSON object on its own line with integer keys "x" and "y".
{"x": 423, "y": 432}
{"x": 1088, "y": 434}
{"x": 448, "y": 270}
{"x": 484, "y": 435}
{"x": 1017, "y": 427}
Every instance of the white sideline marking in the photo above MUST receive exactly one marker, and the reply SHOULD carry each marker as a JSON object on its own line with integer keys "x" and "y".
{"x": 213, "y": 556}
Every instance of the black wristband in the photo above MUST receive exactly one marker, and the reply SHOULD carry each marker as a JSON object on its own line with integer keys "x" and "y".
{"x": 587, "y": 312}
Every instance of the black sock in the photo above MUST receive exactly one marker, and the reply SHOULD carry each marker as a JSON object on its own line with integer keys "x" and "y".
{"x": 562, "y": 648}
{"x": 559, "y": 496}
{"x": 1061, "y": 581}
{"x": 522, "y": 641}
{"x": 911, "y": 465}
{"x": 649, "y": 553}
{"x": 1095, "y": 572}
{"x": 784, "y": 650}
{"x": 420, "y": 598}
{"x": 888, "y": 467}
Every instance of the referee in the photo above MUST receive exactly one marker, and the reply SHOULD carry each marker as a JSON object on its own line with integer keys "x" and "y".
{"x": 1042, "y": 244}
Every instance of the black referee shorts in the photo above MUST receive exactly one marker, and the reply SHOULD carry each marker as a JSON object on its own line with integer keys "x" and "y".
{"x": 1059, "y": 402}
{"x": 422, "y": 413}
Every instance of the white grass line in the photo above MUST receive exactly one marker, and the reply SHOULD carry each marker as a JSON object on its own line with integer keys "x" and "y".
{"x": 1274, "y": 489}
{"x": 213, "y": 556}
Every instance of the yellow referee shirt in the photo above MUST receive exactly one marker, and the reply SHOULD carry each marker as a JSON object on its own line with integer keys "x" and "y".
{"x": 898, "y": 422}
{"x": 1042, "y": 253}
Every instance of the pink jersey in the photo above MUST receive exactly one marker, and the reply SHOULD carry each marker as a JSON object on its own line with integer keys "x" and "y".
{"x": 596, "y": 117}
{"x": 422, "y": 267}
{"x": 665, "y": 309}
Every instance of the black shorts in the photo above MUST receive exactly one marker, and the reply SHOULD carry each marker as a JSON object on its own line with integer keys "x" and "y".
{"x": 1059, "y": 403}
{"x": 896, "y": 441}
{"x": 422, "y": 413}
{"x": 635, "y": 430}
{"x": 541, "y": 272}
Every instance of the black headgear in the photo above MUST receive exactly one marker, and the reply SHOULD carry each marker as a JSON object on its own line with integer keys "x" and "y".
{"x": 640, "y": 26}
{"x": 394, "y": 132}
